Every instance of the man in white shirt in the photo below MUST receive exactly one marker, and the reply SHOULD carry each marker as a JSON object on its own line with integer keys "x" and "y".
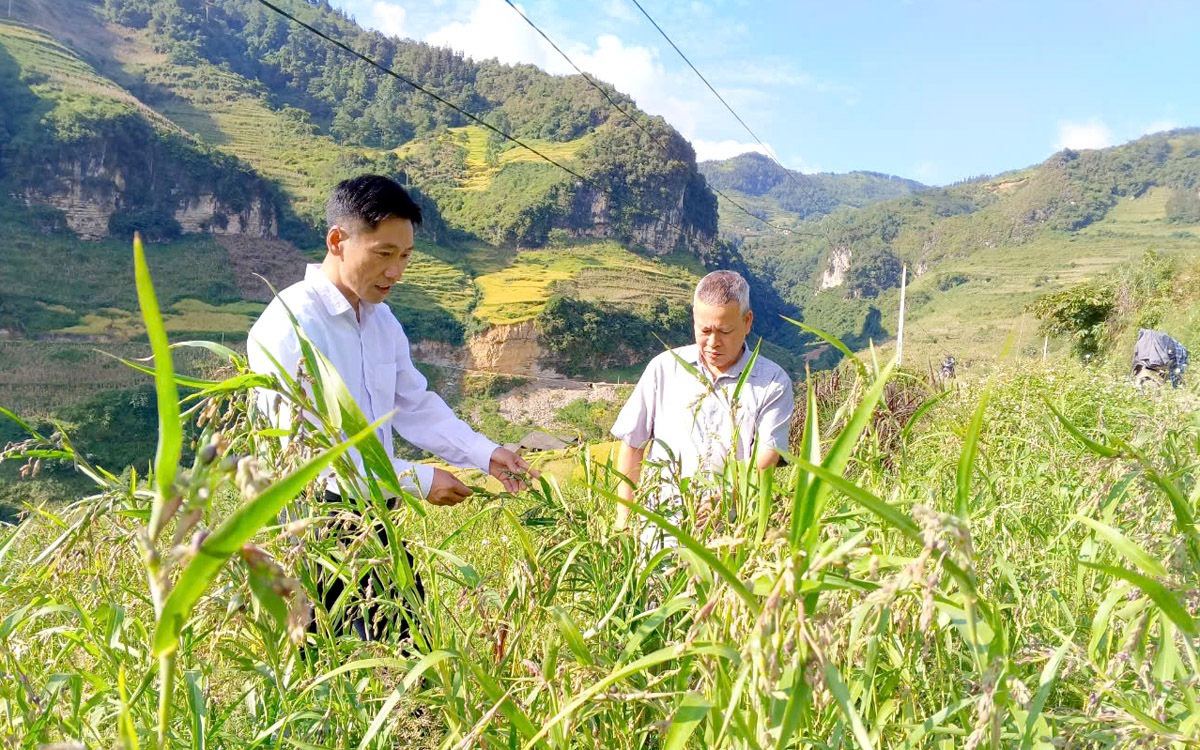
{"x": 685, "y": 425}
{"x": 339, "y": 306}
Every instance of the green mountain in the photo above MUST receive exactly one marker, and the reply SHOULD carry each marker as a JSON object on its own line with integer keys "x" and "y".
{"x": 216, "y": 128}
{"x": 783, "y": 196}
{"x": 978, "y": 253}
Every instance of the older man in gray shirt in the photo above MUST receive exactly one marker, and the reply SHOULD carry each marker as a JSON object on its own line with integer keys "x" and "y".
{"x": 683, "y": 420}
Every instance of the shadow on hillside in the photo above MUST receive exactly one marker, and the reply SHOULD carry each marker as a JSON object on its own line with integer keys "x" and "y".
{"x": 179, "y": 110}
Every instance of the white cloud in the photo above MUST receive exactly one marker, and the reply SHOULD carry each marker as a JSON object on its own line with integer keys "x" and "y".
{"x": 493, "y": 30}
{"x": 926, "y": 172}
{"x": 1160, "y": 126}
{"x": 388, "y": 18}
{"x": 727, "y": 149}
{"x": 619, "y": 10}
{"x": 1085, "y": 135}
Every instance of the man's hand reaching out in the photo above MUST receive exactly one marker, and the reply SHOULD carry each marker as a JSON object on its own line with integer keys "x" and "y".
{"x": 511, "y": 470}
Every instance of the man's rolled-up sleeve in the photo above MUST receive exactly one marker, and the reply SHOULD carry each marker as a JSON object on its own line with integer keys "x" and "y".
{"x": 635, "y": 422}
{"x": 775, "y": 417}
{"x": 423, "y": 419}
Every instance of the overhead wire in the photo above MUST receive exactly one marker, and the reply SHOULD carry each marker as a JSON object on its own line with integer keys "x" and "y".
{"x": 594, "y": 84}
{"x": 767, "y": 149}
{"x": 479, "y": 121}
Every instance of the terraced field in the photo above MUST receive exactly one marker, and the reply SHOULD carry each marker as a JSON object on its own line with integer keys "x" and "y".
{"x": 229, "y": 112}
{"x": 987, "y": 315}
{"x": 481, "y": 170}
{"x": 57, "y": 74}
{"x": 519, "y": 291}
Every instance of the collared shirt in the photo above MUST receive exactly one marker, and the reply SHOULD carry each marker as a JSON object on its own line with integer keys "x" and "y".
{"x": 694, "y": 416}
{"x": 372, "y": 356}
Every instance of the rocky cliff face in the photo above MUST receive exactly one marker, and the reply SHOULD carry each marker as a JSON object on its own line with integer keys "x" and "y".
{"x": 513, "y": 349}
{"x": 594, "y": 215}
{"x": 89, "y": 201}
{"x": 127, "y": 176}
{"x": 836, "y": 268}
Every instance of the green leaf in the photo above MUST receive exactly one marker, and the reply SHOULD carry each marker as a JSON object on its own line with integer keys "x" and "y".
{"x": 833, "y": 679}
{"x": 265, "y": 594}
{"x": 377, "y": 723}
{"x": 198, "y": 707}
{"x": 170, "y": 429}
{"x": 1162, "y": 597}
{"x": 572, "y": 636}
{"x": 695, "y": 547}
{"x": 843, "y": 445}
{"x": 966, "y": 462}
{"x": 669, "y": 653}
{"x": 885, "y": 511}
{"x": 20, "y": 423}
{"x": 1128, "y": 549}
{"x": 1045, "y": 684}
{"x": 799, "y": 700}
{"x": 1095, "y": 447}
{"x": 689, "y": 712}
{"x": 832, "y": 341}
{"x": 810, "y": 449}
{"x": 229, "y": 537}
{"x": 126, "y": 731}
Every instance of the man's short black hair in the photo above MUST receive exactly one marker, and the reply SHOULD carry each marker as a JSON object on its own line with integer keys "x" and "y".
{"x": 368, "y": 199}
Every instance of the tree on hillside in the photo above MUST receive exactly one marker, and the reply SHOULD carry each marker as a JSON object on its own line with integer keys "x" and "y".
{"x": 1079, "y": 313}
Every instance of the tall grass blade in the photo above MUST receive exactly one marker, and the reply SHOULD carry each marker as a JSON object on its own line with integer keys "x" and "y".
{"x": 1045, "y": 684}
{"x": 663, "y": 655}
{"x": 841, "y": 694}
{"x": 572, "y": 636}
{"x": 966, "y": 462}
{"x": 228, "y": 538}
{"x": 1128, "y": 549}
{"x": 198, "y": 708}
{"x": 690, "y": 711}
{"x": 170, "y": 429}
{"x": 1162, "y": 597}
{"x": 810, "y": 450}
{"x": 698, "y": 549}
{"x": 380, "y": 717}
{"x": 832, "y": 341}
{"x": 1098, "y": 448}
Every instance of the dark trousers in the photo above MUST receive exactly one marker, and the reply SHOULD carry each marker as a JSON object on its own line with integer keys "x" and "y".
{"x": 369, "y": 618}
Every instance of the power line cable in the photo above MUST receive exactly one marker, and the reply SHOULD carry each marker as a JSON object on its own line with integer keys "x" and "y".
{"x": 474, "y": 118}
{"x": 630, "y": 117}
{"x": 769, "y": 151}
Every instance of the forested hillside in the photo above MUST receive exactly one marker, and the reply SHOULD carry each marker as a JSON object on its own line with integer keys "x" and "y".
{"x": 175, "y": 117}
{"x": 775, "y": 194}
{"x": 979, "y": 252}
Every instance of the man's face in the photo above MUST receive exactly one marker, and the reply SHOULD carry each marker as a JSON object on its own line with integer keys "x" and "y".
{"x": 370, "y": 262}
{"x": 721, "y": 331}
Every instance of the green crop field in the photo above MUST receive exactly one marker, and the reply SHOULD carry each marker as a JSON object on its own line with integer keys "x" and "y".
{"x": 1006, "y": 563}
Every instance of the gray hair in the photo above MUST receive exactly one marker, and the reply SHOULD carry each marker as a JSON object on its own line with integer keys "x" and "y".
{"x": 722, "y": 288}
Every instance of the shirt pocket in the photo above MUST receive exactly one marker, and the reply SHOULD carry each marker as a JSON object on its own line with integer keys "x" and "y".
{"x": 381, "y": 386}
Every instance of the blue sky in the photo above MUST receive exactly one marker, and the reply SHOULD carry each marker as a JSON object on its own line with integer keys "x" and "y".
{"x": 933, "y": 90}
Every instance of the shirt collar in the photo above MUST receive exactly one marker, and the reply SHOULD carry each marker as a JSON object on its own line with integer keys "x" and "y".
{"x": 735, "y": 372}
{"x": 335, "y": 302}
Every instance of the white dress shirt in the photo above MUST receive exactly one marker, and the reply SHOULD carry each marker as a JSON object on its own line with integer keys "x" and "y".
{"x": 694, "y": 417}
{"x": 372, "y": 356}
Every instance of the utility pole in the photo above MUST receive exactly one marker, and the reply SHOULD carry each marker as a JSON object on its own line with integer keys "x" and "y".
{"x": 900, "y": 326}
